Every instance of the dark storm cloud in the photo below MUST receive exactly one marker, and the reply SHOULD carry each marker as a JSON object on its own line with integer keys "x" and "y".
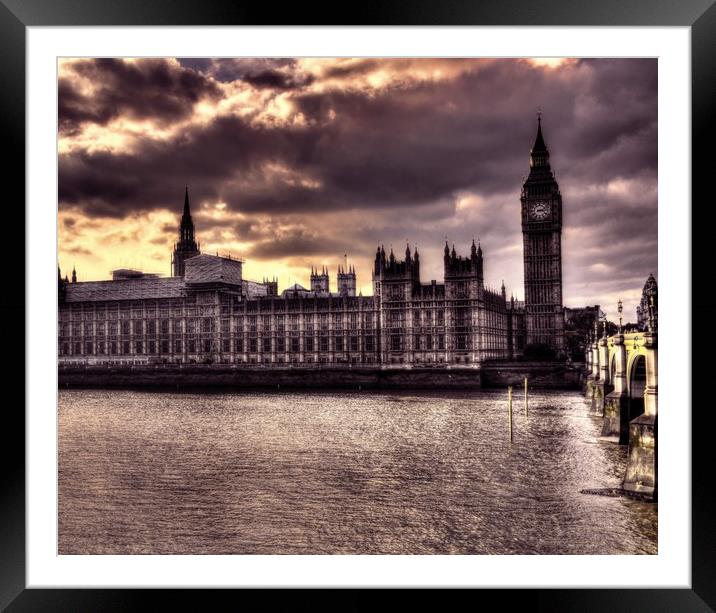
{"x": 402, "y": 147}
{"x": 113, "y": 184}
{"x": 259, "y": 72}
{"x": 277, "y": 80}
{"x": 351, "y": 70}
{"x": 148, "y": 89}
{"x": 401, "y": 153}
{"x": 295, "y": 244}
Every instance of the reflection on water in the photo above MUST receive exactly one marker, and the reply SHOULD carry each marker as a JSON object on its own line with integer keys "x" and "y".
{"x": 339, "y": 473}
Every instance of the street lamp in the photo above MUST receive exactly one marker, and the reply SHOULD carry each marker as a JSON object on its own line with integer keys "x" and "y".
{"x": 620, "y": 308}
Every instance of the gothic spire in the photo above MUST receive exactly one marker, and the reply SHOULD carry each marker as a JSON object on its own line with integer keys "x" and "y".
{"x": 186, "y": 227}
{"x": 186, "y": 247}
{"x": 187, "y": 213}
{"x": 539, "y": 145}
{"x": 539, "y": 155}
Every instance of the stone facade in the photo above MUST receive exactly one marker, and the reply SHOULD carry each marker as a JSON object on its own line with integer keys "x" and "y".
{"x": 213, "y": 315}
{"x": 459, "y": 322}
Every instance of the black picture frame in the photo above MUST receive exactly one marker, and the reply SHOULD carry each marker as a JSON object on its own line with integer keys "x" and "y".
{"x": 17, "y": 15}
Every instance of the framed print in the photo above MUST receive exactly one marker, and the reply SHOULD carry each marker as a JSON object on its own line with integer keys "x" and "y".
{"x": 359, "y": 306}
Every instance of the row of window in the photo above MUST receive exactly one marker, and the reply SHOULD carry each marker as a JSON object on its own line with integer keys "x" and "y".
{"x": 206, "y": 345}
{"x": 351, "y": 319}
{"x": 190, "y": 326}
{"x": 207, "y": 324}
{"x": 142, "y": 310}
{"x": 397, "y": 342}
{"x": 267, "y": 345}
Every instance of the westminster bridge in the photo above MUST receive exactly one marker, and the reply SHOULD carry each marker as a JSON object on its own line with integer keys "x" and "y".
{"x": 622, "y": 385}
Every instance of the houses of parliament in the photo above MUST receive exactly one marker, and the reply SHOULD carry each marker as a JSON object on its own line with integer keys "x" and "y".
{"x": 207, "y": 312}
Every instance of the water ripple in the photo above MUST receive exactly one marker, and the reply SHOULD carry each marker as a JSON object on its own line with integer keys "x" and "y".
{"x": 337, "y": 473}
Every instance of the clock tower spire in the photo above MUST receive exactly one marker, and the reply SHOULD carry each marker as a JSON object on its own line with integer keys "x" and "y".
{"x": 542, "y": 239}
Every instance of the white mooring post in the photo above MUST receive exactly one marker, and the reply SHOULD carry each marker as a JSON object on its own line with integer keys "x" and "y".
{"x": 509, "y": 409}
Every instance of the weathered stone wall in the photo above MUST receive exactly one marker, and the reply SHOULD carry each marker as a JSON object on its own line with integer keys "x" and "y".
{"x": 641, "y": 472}
{"x": 201, "y": 375}
{"x": 498, "y": 375}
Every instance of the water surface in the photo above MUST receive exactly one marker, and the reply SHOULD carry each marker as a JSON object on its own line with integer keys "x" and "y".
{"x": 339, "y": 473}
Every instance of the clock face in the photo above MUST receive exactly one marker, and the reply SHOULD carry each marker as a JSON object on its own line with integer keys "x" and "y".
{"x": 540, "y": 209}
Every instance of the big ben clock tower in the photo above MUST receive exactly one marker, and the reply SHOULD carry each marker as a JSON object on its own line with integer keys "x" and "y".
{"x": 542, "y": 233}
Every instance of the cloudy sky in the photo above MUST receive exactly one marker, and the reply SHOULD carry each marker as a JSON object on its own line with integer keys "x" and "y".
{"x": 295, "y": 162}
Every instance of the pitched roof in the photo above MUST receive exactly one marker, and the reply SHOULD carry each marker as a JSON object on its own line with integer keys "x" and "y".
{"x": 126, "y": 289}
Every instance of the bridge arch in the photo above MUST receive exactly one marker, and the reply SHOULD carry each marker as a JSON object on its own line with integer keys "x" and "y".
{"x": 636, "y": 381}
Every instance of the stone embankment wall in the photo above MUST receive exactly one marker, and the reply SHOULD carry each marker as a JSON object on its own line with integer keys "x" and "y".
{"x": 540, "y": 375}
{"x": 496, "y": 374}
{"x": 196, "y": 376}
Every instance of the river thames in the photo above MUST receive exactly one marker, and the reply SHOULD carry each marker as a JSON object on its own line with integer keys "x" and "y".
{"x": 340, "y": 473}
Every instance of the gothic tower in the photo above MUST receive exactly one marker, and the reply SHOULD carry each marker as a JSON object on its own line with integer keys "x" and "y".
{"x": 346, "y": 280}
{"x": 464, "y": 291}
{"x": 542, "y": 235}
{"x": 320, "y": 282}
{"x": 186, "y": 247}
{"x": 395, "y": 282}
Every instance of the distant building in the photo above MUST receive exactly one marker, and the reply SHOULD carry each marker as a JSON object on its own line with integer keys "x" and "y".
{"x": 213, "y": 315}
{"x": 648, "y": 305}
{"x": 578, "y": 324}
{"x": 516, "y": 329}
